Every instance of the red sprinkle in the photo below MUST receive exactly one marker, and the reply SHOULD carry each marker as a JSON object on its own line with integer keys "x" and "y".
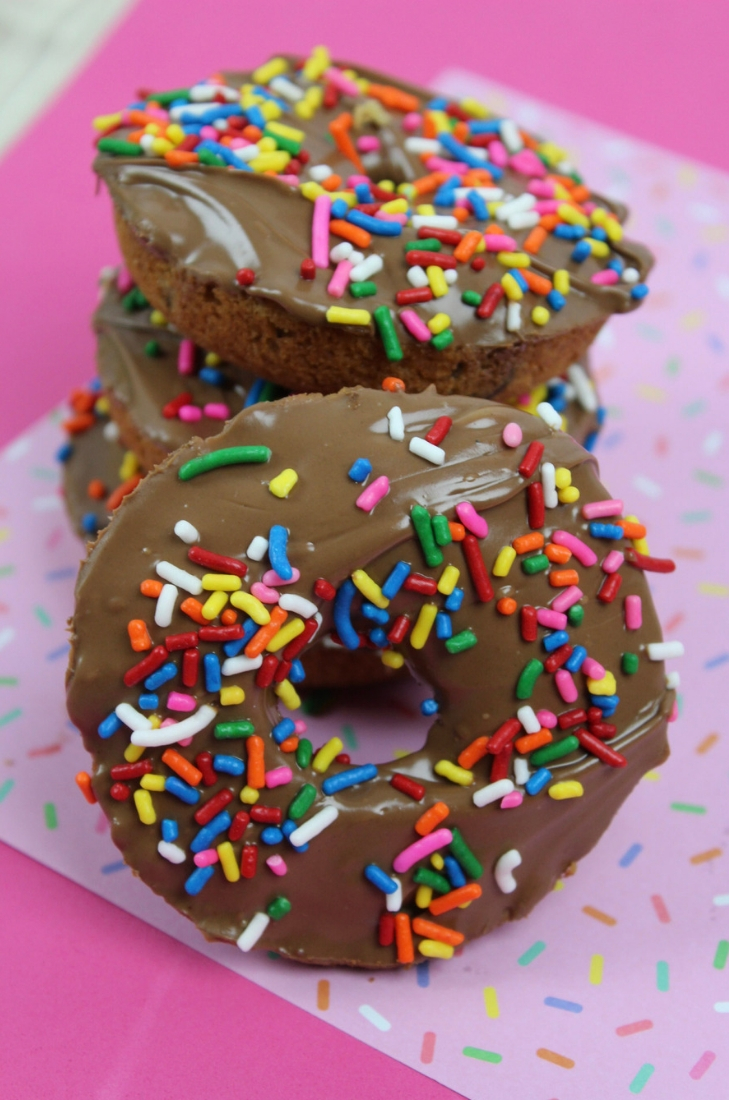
{"x": 599, "y": 749}
{"x": 399, "y": 629}
{"x": 266, "y": 815}
{"x": 245, "y": 277}
{"x": 238, "y": 825}
{"x": 204, "y": 762}
{"x": 408, "y": 786}
{"x": 221, "y": 633}
{"x": 610, "y": 588}
{"x": 307, "y": 269}
{"x": 171, "y": 409}
{"x": 477, "y": 568}
{"x": 535, "y": 505}
{"x": 213, "y": 806}
{"x": 594, "y": 714}
{"x": 149, "y": 664}
{"x": 604, "y": 730}
{"x": 648, "y": 564}
{"x": 249, "y": 860}
{"x": 500, "y": 765}
{"x": 181, "y": 641}
{"x": 294, "y": 648}
{"x": 282, "y": 672}
{"x": 120, "y": 792}
{"x": 445, "y": 236}
{"x": 190, "y": 667}
{"x": 531, "y": 459}
{"x": 439, "y": 431}
{"x": 416, "y": 258}
{"x": 218, "y": 562}
{"x": 557, "y": 659}
{"x": 343, "y": 758}
{"x": 528, "y": 623}
{"x": 131, "y": 771}
{"x": 267, "y": 671}
{"x": 386, "y": 930}
{"x": 416, "y": 582}
{"x": 571, "y": 718}
{"x": 503, "y": 737}
{"x": 478, "y": 263}
{"x": 490, "y": 300}
{"x": 412, "y": 297}
{"x": 324, "y": 590}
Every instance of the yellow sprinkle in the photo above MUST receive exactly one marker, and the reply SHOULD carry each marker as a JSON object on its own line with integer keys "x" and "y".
{"x": 561, "y": 280}
{"x": 267, "y": 144}
{"x": 212, "y": 359}
{"x": 572, "y": 216}
{"x": 423, "y": 896}
{"x": 289, "y": 132}
{"x": 432, "y": 949}
{"x": 437, "y": 281}
{"x": 514, "y": 259}
{"x": 264, "y": 74}
{"x": 405, "y": 189}
{"x": 152, "y": 782}
{"x": 249, "y": 605}
{"x": 286, "y": 634}
{"x": 175, "y": 133}
{"x": 562, "y": 477}
{"x": 145, "y": 808}
{"x": 601, "y": 249}
{"x": 491, "y": 1002}
{"x": 282, "y": 485}
{"x": 512, "y": 290}
{"x": 448, "y": 580}
{"x": 270, "y": 110}
{"x": 423, "y": 625}
{"x": 325, "y": 757}
{"x": 504, "y": 561}
{"x": 103, "y": 122}
{"x": 439, "y": 323}
{"x": 348, "y": 196}
{"x": 231, "y": 696}
{"x": 569, "y": 495}
{"x": 311, "y": 190}
{"x": 451, "y": 771}
{"x": 221, "y": 582}
{"x": 339, "y": 315}
{"x": 369, "y": 589}
{"x": 101, "y": 406}
{"x": 425, "y": 208}
{"x": 228, "y": 862}
{"x": 129, "y": 466}
{"x": 250, "y": 796}
{"x": 596, "y": 965}
{"x": 157, "y": 317}
{"x": 568, "y": 788}
{"x": 395, "y": 206}
{"x": 440, "y": 120}
{"x": 606, "y": 686}
{"x": 214, "y": 605}
{"x": 561, "y": 192}
{"x": 316, "y": 63}
{"x": 706, "y": 588}
{"x": 392, "y": 658}
{"x": 389, "y": 185}
{"x": 554, "y": 153}
{"x": 540, "y": 315}
{"x": 641, "y": 545}
{"x": 614, "y": 229}
{"x": 155, "y": 721}
{"x": 288, "y": 695}
{"x": 652, "y": 776}
{"x": 270, "y": 162}
{"x": 161, "y": 145}
{"x": 132, "y": 753}
{"x": 437, "y": 861}
{"x": 474, "y": 108}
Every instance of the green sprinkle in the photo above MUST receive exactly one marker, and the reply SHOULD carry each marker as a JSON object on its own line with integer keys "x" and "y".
{"x": 662, "y": 977}
{"x": 471, "y": 298}
{"x": 428, "y": 244}
{"x": 536, "y": 564}
{"x": 211, "y": 159}
{"x": 555, "y": 751}
{"x": 442, "y": 531}
{"x": 466, "y": 639}
{"x": 673, "y": 366}
{"x": 304, "y": 752}
{"x": 228, "y": 456}
{"x": 151, "y": 349}
{"x": 303, "y": 801}
{"x": 707, "y": 478}
{"x": 629, "y": 662}
{"x": 49, "y": 811}
{"x": 269, "y": 392}
{"x": 227, "y": 731}
{"x": 278, "y": 908}
{"x": 289, "y": 145}
{"x": 443, "y": 339}
{"x": 722, "y": 954}
{"x": 350, "y": 738}
{"x": 483, "y": 1055}
{"x": 384, "y": 322}
{"x": 424, "y": 530}
{"x": 464, "y": 855}
{"x": 42, "y": 616}
{"x": 165, "y": 98}
{"x": 697, "y": 517}
{"x": 641, "y": 1078}
{"x": 119, "y": 148}
{"x": 8, "y": 681}
{"x": 362, "y": 290}
{"x": 528, "y": 678}
{"x": 6, "y": 570}
{"x": 688, "y": 808}
{"x": 10, "y": 716}
{"x": 134, "y": 300}
{"x": 576, "y": 614}
{"x": 425, "y": 877}
{"x": 531, "y": 953}
{"x": 6, "y": 789}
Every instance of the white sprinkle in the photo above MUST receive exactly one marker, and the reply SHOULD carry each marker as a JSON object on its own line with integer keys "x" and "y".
{"x": 356, "y": 258}
{"x": 299, "y": 605}
{"x": 549, "y": 415}
{"x": 712, "y": 443}
{"x": 232, "y": 666}
{"x": 522, "y": 771}
{"x": 436, "y": 221}
{"x": 416, "y": 276}
{"x": 146, "y": 141}
{"x": 374, "y": 1017}
{"x": 257, "y": 549}
{"x": 503, "y": 871}
{"x": 132, "y": 718}
{"x": 169, "y": 572}
{"x": 584, "y": 388}
{"x": 369, "y": 267}
{"x": 396, "y": 424}
{"x": 250, "y": 936}
{"x": 315, "y": 825}
{"x": 648, "y": 487}
{"x": 450, "y": 275}
{"x": 489, "y": 194}
{"x": 165, "y": 605}
{"x": 422, "y": 145}
{"x": 630, "y": 275}
{"x": 319, "y": 172}
{"x": 47, "y": 504}
{"x": 510, "y": 135}
{"x": 428, "y": 451}
{"x": 111, "y": 432}
{"x": 520, "y": 205}
{"x": 393, "y": 902}
{"x": 285, "y": 88}
{"x": 170, "y": 735}
{"x": 249, "y": 152}
{"x": 171, "y": 852}
{"x": 673, "y": 681}
{"x": 662, "y": 651}
{"x": 721, "y": 899}
{"x": 721, "y": 1006}
{"x": 523, "y": 219}
{"x": 513, "y": 317}
{"x": 528, "y": 719}
{"x": 551, "y": 500}
{"x": 341, "y": 251}
{"x": 186, "y": 531}
{"x": 6, "y": 636}
{"x": 205, "y": 93}
{"x": 493, "y": 792}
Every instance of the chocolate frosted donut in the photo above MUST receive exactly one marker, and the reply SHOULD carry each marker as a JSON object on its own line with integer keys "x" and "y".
{"x": 470, "y": 541}
{"x": 316, "y": 225}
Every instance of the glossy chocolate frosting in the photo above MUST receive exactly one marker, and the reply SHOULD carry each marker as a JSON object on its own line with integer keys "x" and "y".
{"x": 335, "y": 910}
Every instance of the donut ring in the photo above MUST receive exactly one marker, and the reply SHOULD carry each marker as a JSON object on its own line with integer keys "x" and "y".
{"x": 331, "y": 905}
{"x": 218, "y": 246}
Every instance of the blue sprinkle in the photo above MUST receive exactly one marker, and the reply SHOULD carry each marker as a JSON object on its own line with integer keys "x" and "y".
{"x": 378, "y": 637}
{"x": 714, "y": 662}
{"x": 109, "y": 726}
{"x": 220, "y": 824}
{"x": 62, "y": 574}
{"x": 616, "y": 264}
{"x": 590, "y": 441}
{"x": 478, "y": 205}
{"x": 350, "y": 778}
{"x": 632, "y": 854}
{"x": 161, "y": 676}
{"x": 176, "y": 786}
{"x": 376, "y": 226}
{"x": 461, "y": 152}
{"x": 212, "y": 376}
{"x": 60, "y": 652}
{"x": 608, "y": 704}
{"x": 554, "y": 640}
{"x": 601, "y": 415}
{"x": 170, "y": 830}
{"x": 255, "y": 116}
{"x": 211, "y": 669}
{"x": 640, "y": 290}
{"x": 606, "y": 531}
{"x": 516, "y": 274}
{"x": 422, "y": 973}
{"x": 278, "y": 538}
{"x": 148, "y": 702}
{"x": 580, "y": 252}
{"x": 379, "y": 879}
{"x": 555, "y": 300}
{"x": 360, "y": 469}
{"x": 112, "y": 868}
{"x": 536, "y": 782}
{"x": 569, "y": 232}
{"x": 230, "y": 765}
{"x": 254, "y": 393}
{"x": 282, "y": 730}
{"x": 95, "y": 385}
{"x": 428, "y": 707}
{"x": 567, "y": 1006}
{"x": 232, "y": 649}
{"x": 287, "y": 829}
{"x": 598, "y": 233}
{"x": 339, "y": 209}
{"x": 484, "y": 126}
{"x": 296, "y": 673}
{"x": 271, "y": 835}
{"x": 558, "y": 403}
{"x": 438, "y": 104}
{"x": 445, "y": 195}
{"x": 89, "y": 523}
{"x": 375, "y": 614}
{"x": 64, "y": 452}
{"x": 199, "y": 877}
{"x": 454, "y": 601}
{"x": 454, "y": 872}
{"x": 342, "y": 614}
{"x": 575, "y": 659}
{"x": 398, "y": 575}
{"x": 363, "y": 193}
{"x": 443, "y": 625}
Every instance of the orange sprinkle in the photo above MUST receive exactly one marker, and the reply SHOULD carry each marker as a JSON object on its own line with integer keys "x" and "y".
{"x": 349, "y": 232}
{"x": 467, "y": 246}
{"x": 404, "y": 938}
{"x": 556, "y": 1059}
{"x": 581, "y": 193}
{"x": 151, "y": 588}
{"x": 631, "y": 530}
{"x": 428, "y": 125}
{"x": 322, "y": 994}
{"x": 394, "y": 98}
{"x": 562, "y": 578}
{"x": 533, "y": 741}
{"x": 141, "y": 118}
{"x": 83, "y": 781}
{"x": 473, "y": 753}
{"x": 79, "y": 423}
{"x": 460, "y": 132}
{"x": 96, "y": 489}
{"x": 452, "y": 900}
{"x": 264, "y": 634}
{"x": 332, "y": 183}
{"x": 177, "y": 762}
{"x": 81, "y": 401}
{"x": 139, "y": 635}
{"x": 524, "y": 543}
{"x": 432, "y": 817}
{"x": 433, "y": 931}
{"x": 178, "y": 158}
{"x": 429, "y": 182}
{"x": 193, "y": 609}
{"x": 559, "y": 555}
{"x": 291, "y": 744}
{"x": 549, "y": 221}
{"x": 529, "y": 141}
{"x": 477, "y": 177}
{"x": 457, "y": 530}
{"x": 256, "y": 774}
{"x": 252, "y": 133}
{"x": 393, "y": 385}
{"x": 708, "y": 743}
{"x": 506, "y": 605}
{"x": 535, "y": 240}
{"x": 229, "y": 617}
{"x": 598, "y": 914}
{"x": 339, "y": 128}
{"x": 122, "y": 491}
{"x": 704, "y": 857}
{"x": 536, "y": 283}
{"x": 460, "y": 213}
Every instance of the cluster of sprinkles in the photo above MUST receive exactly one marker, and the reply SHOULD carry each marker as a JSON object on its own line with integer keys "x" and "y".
{"x": 491, "y": 197}
{"x": 228, "y": 632}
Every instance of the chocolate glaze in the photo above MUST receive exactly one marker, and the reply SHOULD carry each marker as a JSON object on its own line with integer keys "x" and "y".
{"x": 335, "y": 910}
{"x": 93, "y": 456}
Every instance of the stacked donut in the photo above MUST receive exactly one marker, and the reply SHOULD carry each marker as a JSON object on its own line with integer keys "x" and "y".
{"x": 305, "y": 229}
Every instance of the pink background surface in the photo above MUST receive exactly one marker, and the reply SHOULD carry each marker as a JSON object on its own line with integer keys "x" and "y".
{"x": 95, "y": 965}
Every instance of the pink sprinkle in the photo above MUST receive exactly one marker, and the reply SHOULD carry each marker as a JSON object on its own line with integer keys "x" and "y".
{"x": 543, "y": 189}
{"x": 354, "y": 180}
{"x": 186, "y": 357}
{"x": 528, "y": 163}
{"x": 342, "y": 82}
{"x": 368, "y": 143}
{"x": 340, "y": 279}
{"x": 499, "y": 242}
{"x": 384, "y": 216}
{"x": 674, "y": 711}
{"x": 184, "y": 742}
{"x": 206, "y": 858}
{"x": 512, "y": 800}
{"x": 216, "y": 410}
{"x": 471, "y": 520}
{"x": 593, "y": 668}
{"x": 189, "y": 413}
{"x": 453, "y": 167}
{"x": 605, "y": 278}
{"x": 661, "y": 909}
{"x": 565, "y": 685}
{"x": 600, "y": 508}
{"x": 411, "y": 121}
{"x": 293, "y": 181}
{"x": 279, "y": 777}
{"x": 567, "y": 599}
{"x": 124, "y": 281}
{"x": 416, "y": 326}
{"x": 373, "y": 494}
{"x": 421, "y": 849}
{"x": 555, "y": 620}
{"x": 209, "y": 133}
{"x": 239, "y": 143}
{"x": 697, "y": 1072}
{"x": 633, "y": 612}
{"x": 613, "y": 561}
{"x": 512, "y": 435}
{"x": 547, "y": 206}
{"x": 263, "y": 593}
{"x": 589, "y": 206}
{"x": 584, "y": 554}
{"x": 547, "y": 718}
{"x": 277, "y": 865}
{"x": 271, "y": 577}
{"x": 300, "y": 727}
{"x": 167, "y": 722}
{"x": 498, "y": 154}
{"x": 177, "y": 700}
{"x": 320, "y": 231}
